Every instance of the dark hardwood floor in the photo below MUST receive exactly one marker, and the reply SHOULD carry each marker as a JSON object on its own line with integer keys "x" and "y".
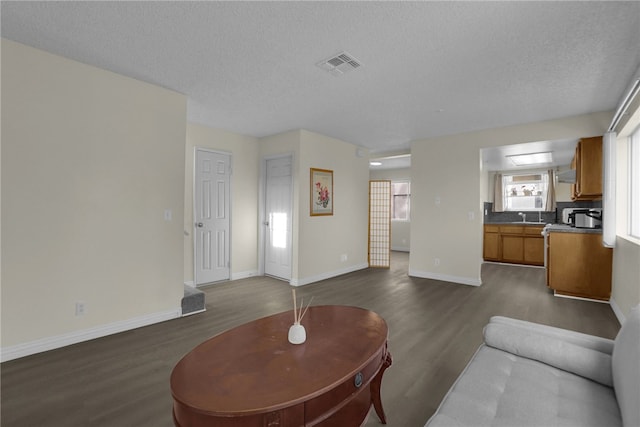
{"x": 434, "y": 329}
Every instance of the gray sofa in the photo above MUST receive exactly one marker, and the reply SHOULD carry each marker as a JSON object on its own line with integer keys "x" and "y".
{"x": 526, "y": 374}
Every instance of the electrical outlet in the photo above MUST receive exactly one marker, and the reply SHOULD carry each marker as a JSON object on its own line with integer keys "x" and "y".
{"x": 343, "y": 257}
{"x": 436, "y": 261}
{"x": 80, "y": 308}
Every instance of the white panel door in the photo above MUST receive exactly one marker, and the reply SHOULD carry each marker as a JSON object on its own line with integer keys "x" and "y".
{"x": 278, "y": 218}
{"x": 211, "y": 214}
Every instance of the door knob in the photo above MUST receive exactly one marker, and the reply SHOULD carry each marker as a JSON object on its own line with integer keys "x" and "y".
{"x": 200, "y": 225}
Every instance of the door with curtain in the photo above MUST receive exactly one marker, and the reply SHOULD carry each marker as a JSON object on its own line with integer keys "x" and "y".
{"x": 380, "y": 223}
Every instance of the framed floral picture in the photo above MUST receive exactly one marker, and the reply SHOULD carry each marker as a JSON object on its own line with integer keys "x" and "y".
{"x": 321, "y": 192}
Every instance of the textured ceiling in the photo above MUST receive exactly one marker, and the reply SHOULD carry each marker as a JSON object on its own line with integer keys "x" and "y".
{"x": 429, "y": 68}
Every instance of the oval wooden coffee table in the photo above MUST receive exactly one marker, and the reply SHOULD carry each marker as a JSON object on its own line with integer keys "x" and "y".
{"x": 252, "y": 376}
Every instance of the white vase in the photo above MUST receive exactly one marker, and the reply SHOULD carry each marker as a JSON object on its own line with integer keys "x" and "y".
{"x": 297, "y": 334}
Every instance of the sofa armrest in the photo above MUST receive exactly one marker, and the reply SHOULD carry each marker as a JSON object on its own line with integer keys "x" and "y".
{"x": 603, "y": 345}
{"x": 553, "y": 346}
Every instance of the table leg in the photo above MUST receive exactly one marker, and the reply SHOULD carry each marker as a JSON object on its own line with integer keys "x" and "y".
{"x": 375, "y": 389}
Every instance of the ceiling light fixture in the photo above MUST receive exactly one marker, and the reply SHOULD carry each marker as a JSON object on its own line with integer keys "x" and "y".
{"x": 530, "y": 159}
{"x": 375, "y": 163}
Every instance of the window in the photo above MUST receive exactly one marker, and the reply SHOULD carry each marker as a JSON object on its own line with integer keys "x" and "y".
{"x": 634, "y": 183}
{"x": 400, "y": 200}
{"x": 525, "y": 192}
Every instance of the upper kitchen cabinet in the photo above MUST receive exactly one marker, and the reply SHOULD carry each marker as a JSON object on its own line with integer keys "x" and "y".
{"x": 588, "y": 166}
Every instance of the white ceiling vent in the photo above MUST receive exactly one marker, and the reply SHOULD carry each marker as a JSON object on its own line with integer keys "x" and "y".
{"x": 339, "y": 64}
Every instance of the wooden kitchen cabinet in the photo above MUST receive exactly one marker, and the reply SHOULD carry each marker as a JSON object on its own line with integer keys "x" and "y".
{"x": 587, "y": 163}
{"x": 516, "y": 244}
{"x": 578, "y": 265}
{"x": 491, "y": 243}
{"x": 512, "y": 249}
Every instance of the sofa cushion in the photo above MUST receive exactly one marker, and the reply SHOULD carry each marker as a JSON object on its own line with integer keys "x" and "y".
{"x": 501, "y": 389}
{"x": 625, "y": 364}
{"x": 550, "y": 349}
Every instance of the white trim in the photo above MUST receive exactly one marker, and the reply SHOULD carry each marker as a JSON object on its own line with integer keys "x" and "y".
{"x": 244, "y": 274}
{"x": 445, "y": 277}
{"x": 400, "y": 248}
{"x": 512, "y": 264}
{"x": 194, "y": 312}
{"x": 328, "y": 275}
{"x": 190, "y": 283}
{"x": 556, "y": 294}
{"x": 50, "y": 343}
{"x": 616, "y": 310}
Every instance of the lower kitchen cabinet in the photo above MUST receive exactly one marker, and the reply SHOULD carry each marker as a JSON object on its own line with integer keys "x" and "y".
{"x": 578, "y": 265}
{"x": 516, "y": 244}
{"x": 491, "y": 244}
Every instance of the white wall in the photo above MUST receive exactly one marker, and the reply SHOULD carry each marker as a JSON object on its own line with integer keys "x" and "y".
{"x": 91, "y": 161}
{"x": 625, "y": 292}
{"x": 244, "y": 197}
{"x": 448, "y": 169}
{"x": 400, "y": 230}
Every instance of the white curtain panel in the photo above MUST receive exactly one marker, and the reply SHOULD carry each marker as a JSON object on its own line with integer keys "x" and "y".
{"x": 609, "y": 190}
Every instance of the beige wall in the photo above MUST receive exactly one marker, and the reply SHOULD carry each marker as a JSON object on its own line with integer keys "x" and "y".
{"x": 287, "y": 143}
{"x": 324, "y": 239}
{"x": 448, "y": 169}
{"x": 400, "y": 230}
{"x": 91, "y": 161}
{"x": 244, "y": 196}
{"x": 320, "y": 241}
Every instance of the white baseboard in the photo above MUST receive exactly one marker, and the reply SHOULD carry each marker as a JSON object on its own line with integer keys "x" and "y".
{"x": 616, "y": 310}
{"x": 445, "y": 277}
{"x": 190, "y": 283}
{"x": 328, "y": 275}
{"x": 58, "y": 341}
{"x": 194, "y": 312}
{"x": 244, "y": 274}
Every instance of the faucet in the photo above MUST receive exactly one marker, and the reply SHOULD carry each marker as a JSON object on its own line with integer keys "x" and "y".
{"x": 524, "y": 216}
{"x": 540, "y": 216}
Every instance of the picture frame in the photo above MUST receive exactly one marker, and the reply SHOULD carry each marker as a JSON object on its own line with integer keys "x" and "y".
{"x": 321, "y": 192}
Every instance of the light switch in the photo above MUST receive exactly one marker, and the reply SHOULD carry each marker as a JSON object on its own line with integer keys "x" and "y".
{"x": 168, "y": 215}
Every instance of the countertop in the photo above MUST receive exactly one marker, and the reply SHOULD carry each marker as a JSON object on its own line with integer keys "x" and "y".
{"x": 564, "y": 228}
{"x": 549, "y": 227}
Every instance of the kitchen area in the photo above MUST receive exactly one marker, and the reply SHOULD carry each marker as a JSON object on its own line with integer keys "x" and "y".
{"x": 544, "y": 210}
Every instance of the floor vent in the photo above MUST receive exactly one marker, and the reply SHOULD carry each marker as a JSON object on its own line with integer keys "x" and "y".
{"x": 339, "y": 64}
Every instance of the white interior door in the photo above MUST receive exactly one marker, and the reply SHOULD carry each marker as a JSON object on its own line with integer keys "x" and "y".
{"x": 211, "y": 215}
{"x": 278, "y": 217}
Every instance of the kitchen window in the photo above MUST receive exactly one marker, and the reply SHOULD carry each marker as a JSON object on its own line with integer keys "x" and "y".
{"x": 400, "y": 200}
{"x": 526, "y": 191}
{"x": 634, "y": 183}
